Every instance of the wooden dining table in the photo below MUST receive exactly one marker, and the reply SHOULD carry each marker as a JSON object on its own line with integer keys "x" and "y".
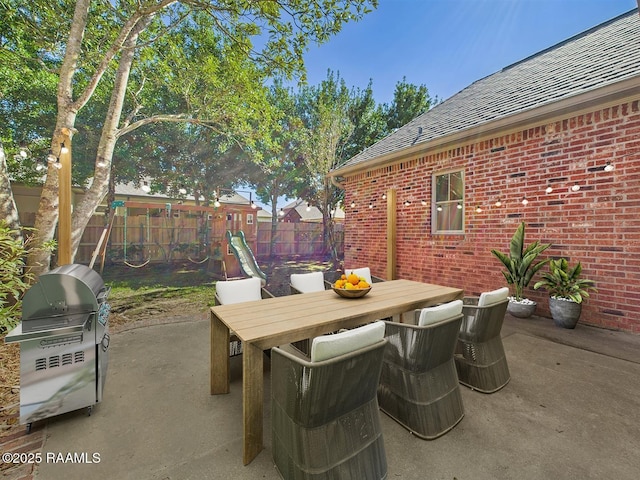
{"x": 263, "y": 324}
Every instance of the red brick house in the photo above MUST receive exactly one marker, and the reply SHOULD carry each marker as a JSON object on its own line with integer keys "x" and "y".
{"x": 553, "y": 140}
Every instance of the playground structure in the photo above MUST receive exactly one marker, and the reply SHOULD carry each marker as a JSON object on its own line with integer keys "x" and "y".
{"x": 246, "y": 259}
{"x": 140, "y": 233}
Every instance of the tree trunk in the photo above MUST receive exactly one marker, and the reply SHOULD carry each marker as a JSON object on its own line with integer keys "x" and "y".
{"x": 100, "y": 185}
{"x": 327, "y": 226}
{"x": 7, "y": 202}
{"x": 111, "y": 197}
{"x": 39, "y": 260}
{"x": 68, "y": 107}
{"x": 274, "y": 222}
{"x": 47, "y": 215}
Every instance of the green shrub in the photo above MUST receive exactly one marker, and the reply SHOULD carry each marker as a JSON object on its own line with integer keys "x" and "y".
{"x": 564, "y": 281}
{"x": 14, "y": 281}
{"x": 520, "y": 262}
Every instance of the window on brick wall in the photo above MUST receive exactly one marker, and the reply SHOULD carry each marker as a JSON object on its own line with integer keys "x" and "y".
{"x": 448, "y": 202}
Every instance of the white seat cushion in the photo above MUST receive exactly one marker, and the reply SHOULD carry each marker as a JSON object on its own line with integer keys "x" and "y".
{"x": 494, "y": 296}
{"x": 361, "y": 272}
{"x": 308, "y": 282}
{"x": 329, "y": 346}
{"x": 438, "y": 313}
{"x": 236, "y": 291}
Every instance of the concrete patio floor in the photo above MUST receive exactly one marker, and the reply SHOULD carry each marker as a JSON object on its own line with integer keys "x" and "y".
{"x": 570, "y": 411}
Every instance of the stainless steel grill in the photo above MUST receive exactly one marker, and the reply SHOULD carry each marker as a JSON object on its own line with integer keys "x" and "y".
{"x": 64, "y": 343}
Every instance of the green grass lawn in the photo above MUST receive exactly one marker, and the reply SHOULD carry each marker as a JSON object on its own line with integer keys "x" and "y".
{"x": 159, "y": 291}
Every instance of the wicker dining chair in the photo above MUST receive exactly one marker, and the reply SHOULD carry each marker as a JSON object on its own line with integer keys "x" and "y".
{"x": 325, "y": 421}
{"x": 419, "y": 386}
{"x": 480, "y": 359}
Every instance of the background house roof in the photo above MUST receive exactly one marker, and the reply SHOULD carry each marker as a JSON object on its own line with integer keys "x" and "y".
{"x": 604, "y": 55}
{"x": 312, "y": 214}
{"x": 135, "y": 190}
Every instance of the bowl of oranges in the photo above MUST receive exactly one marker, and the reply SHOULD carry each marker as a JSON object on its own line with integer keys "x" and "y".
{"x": 351, "y": 286}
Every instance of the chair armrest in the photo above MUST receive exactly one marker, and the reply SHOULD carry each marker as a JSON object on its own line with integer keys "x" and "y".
{"x": 293, "y": 352}
{"x": 328, "y": 285}
{"x": 377, "y": 279}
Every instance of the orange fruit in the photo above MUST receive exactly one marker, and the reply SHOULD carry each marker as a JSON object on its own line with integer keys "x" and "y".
{"x": 343, "y": 277}
{"x": 339, "y": 284}
{"x": 363, "y": 284}
{"x": 353, "y": 279}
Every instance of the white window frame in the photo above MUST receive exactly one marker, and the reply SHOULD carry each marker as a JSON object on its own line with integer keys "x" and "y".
{"x": 249, "y": 218}
{"x": 444, "y": 203}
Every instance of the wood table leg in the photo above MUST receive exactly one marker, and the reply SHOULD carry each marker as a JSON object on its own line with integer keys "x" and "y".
{"x": 252, "y": 401}
{"x": 219, "y": 368}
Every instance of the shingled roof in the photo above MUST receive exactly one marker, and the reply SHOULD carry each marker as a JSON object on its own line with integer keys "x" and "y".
{"x": 602, "y": 56}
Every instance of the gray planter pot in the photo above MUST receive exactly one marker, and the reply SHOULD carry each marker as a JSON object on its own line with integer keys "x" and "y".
{"x": 565, "y": 313}
{"x": 521, "y": 310}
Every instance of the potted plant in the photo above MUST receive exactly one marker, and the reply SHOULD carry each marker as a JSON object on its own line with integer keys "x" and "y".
{"x": 521, "y": 266}
{"x": 566, "y": 291}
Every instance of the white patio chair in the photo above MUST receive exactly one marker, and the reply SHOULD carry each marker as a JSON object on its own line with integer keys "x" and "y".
{"x": 364, "y": 272}
{"x": 237, "y": 291}
{"x": 307, "y": 282}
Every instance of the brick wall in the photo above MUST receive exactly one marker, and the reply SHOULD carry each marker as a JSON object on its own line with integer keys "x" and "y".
{"x": 599, "y": 224}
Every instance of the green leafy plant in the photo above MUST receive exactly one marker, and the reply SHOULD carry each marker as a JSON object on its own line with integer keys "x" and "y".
{"x": 14, "y": 281}
{"x": 563, "y": 281}
{"x": 520, "y": 262}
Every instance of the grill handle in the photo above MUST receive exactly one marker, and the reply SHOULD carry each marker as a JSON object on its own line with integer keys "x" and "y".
{"x": 102, "y": 296}
{"x": 105, "y": 342}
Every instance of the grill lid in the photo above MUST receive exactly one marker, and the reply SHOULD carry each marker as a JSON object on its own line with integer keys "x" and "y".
{"x": 64, "y": 291}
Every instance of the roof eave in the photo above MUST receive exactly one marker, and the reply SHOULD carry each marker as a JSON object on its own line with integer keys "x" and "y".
{"x": 609, "y": 94}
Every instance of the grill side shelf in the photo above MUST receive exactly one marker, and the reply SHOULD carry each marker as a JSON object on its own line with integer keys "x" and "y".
{"x": 17, "y": 335}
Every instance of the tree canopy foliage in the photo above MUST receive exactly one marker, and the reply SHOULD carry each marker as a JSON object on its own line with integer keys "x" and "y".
{"x": 181, "y": 92}
{"x": 130, "y": 63}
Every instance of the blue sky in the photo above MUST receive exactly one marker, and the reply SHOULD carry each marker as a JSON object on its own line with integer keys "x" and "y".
{"x": 449, "y": 44}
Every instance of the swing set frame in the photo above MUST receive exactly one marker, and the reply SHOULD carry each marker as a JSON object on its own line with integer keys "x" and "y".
{"x": 206, "y": 215}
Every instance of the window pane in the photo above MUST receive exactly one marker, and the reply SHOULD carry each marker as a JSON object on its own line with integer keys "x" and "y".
{"x": 449, "y": 218}
{"x": 442, "y": 188}
{"x": 457, "y": 186}
{"x": 448, "y": 195}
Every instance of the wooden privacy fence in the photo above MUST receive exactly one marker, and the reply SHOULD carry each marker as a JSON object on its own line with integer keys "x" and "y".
{"x": 296, "y": 239}
{"x": 138, "y": 238}
{"x": 151, "y": 238}
{"x": 161, "y": 239}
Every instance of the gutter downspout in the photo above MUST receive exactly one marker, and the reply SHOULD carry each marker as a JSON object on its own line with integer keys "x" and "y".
{"x": 340, "y": 185}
